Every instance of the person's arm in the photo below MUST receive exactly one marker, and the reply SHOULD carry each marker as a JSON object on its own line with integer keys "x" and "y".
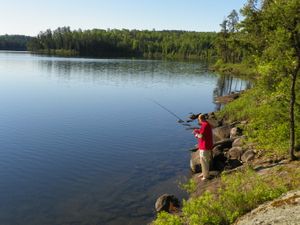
{"x": 197, "y": 133}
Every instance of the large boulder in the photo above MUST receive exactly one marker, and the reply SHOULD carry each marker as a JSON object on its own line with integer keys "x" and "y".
{"x": 281, "y": 211}
{"x": 220, "y": 133}
{"x": 212, "y": 120}
{"x": 167, "y": 203}
{"x": 195, "y": 162}
{"x": 226, "y": 143}
{"x": 219, "y": 160}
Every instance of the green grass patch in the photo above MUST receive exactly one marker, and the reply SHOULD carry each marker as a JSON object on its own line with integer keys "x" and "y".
{"x": 239, "y": 193}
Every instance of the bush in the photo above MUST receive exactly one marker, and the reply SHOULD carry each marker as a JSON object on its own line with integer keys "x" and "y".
{"x": 268, "y": 119}
{"x": 164, "y": 218}
{"x": 239, "y": 193}
{"x": 190, "y": 186}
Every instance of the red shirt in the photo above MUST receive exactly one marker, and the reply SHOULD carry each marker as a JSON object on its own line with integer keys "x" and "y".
{"x": 206, "y": 141}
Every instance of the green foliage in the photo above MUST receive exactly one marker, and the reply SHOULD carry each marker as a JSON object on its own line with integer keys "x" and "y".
{"x": 238, "y": 69}
{"x": 267, "y": 116}
{"x": 269, "y": 40}
{"x": 190, "y": 186}
{"x": 239, "y": 193}
{"x": 164, "y": 218}
{"x": 14, "y": 42}
{"x": 203, "y": 210}
{"x": 124, "y": 43}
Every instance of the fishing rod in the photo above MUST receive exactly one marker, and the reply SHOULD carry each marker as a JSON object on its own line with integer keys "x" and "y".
{"x": 168, "y": 110}
{"x": 194, "y": 149}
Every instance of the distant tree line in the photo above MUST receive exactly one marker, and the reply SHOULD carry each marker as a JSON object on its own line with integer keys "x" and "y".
{"x": 124, "y": 43}
{"x": 14, "y": 42}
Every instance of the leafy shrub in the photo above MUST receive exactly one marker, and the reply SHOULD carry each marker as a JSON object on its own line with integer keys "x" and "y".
{"x": 239, "y": 193}
{"x": 190, "y": 186}
{"x": 164, "y": 218}
{"x": 268, "y": 118}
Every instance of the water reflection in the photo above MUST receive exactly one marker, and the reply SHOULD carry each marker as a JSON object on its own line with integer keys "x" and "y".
{"x": 119, "y": 71}
{"x": 84, "y": 143}
{"x": 228, "y": 84}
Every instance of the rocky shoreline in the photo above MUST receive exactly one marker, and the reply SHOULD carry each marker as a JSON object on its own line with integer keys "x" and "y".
{"x": 231, "y": 152}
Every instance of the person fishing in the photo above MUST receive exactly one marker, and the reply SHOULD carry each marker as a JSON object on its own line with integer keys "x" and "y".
{"x": 205, "y": 144}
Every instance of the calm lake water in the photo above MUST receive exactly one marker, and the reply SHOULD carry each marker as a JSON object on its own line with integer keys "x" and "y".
{"x": 82, "y": 141}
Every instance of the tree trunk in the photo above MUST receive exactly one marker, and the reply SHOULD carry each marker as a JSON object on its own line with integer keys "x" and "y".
{"x": 292, "y": 115}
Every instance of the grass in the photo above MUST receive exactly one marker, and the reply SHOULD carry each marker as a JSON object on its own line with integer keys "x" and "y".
{"x": 239, "y": 193}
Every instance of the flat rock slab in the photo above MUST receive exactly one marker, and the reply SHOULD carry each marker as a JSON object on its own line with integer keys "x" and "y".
{"x": 284, "y": 211}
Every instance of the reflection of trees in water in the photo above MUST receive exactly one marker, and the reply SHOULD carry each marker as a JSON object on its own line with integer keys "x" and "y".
{"x": 227, "y": 84}
{"x": 123, "y": 71}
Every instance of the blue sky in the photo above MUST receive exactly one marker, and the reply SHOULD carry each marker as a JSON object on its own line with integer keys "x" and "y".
{"x": 31, "y": 16}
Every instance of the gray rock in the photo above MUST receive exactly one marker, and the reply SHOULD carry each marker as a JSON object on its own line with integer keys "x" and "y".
{"x": 281, "y": 211}
{"x": 248, "y": 156}
{"x": 235, "y": 153}
{"x": 220, "y": 133}
{"x": 195, "y": 162}
{"x": 235, "y": 132}
{"x": 217, "y": 150}
{"x": 238, "y": 142}
{"x": 211, "y": 115}
{"x": 226, "y": 143}
{"x": 213, "y": 122}
{"x": 167, "y": 203}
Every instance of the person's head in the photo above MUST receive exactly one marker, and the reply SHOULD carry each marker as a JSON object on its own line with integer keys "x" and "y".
{"x": 201, "y": 118}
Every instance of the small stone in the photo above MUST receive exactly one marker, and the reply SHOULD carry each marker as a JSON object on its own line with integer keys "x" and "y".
{"x": 248, "y": 156}
{"x": 235, "y": 132}
{"x": 239, "y": 142}
{"x": 244, "y": 122}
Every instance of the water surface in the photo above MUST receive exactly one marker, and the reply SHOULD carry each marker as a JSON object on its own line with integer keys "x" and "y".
{"x": 82, "y": 141}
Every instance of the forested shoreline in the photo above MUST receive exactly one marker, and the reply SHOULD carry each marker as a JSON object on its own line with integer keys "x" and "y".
{"x": 14, "y": 42}
{"x": 126, "y": 43}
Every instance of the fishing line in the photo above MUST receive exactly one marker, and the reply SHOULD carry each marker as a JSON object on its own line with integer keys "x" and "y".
{"x": 168, "y": 110}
